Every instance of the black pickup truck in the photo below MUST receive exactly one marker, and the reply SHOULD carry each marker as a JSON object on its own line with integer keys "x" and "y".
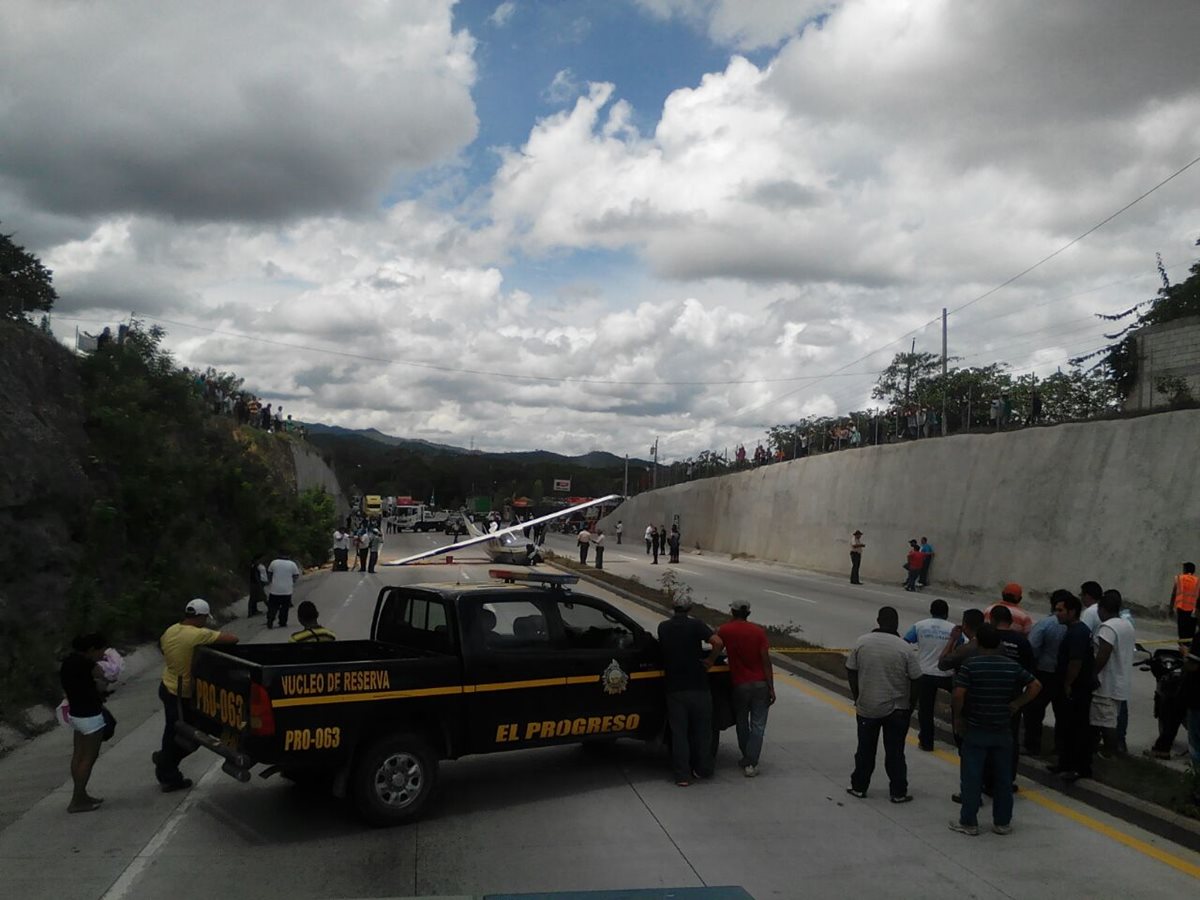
{"x": 450, "y": 670}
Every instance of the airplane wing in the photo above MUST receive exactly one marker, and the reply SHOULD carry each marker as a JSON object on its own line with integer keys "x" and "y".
{"x": 512, "y": 529}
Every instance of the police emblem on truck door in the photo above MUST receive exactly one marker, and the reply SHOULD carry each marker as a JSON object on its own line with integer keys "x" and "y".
{"x": 614, "y": 680}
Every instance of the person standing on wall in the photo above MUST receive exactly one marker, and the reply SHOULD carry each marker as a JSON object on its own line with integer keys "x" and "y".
{"x": 749, "y": 654}
{"x": 284, "y": 575}
{"x": 856, "y": 551}
{"x": 1184, "y": 593}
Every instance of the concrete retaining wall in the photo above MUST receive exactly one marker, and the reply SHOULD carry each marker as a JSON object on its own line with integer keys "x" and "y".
{"x": 312, "y": 471}
{"x": 1114, "y": 501}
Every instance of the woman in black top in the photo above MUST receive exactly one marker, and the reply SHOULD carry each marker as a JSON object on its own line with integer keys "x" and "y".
{"x": 78, "y": 674}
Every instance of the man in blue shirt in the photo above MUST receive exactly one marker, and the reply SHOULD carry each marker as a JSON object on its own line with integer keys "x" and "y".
{"x": 927, "y": 549}
{"x": 1044, "y": 640}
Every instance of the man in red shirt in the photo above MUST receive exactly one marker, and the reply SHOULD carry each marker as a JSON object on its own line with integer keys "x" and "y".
{"x": 915, "y": 565}
{"x": 753, "y": 681}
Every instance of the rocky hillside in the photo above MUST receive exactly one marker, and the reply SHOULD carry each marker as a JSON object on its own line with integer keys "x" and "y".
{"x": 122, "y": 495}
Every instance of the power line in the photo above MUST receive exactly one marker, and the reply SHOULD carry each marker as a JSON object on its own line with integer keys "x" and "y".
{"x": 982, "y": 296}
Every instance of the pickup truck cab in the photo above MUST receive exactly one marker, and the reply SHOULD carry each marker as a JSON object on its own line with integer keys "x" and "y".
{"x": 449, "y": 670}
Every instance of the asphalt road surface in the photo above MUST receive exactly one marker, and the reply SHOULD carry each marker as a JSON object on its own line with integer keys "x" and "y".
{"x": 834, "y": 613}
{"x": 554, "y": 819}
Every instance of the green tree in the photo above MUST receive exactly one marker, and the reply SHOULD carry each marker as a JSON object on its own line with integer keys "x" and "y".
{"x": 25, "y": 284}
{"x": 1118, "y": 360}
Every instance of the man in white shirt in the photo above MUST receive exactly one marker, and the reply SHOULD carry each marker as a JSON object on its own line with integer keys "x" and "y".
{"x": 1090, "y": 593}
{"x": 930, "y": 636}
{"x": 585, "y": 541}
{"x": 649, "y": 537}
{"x": 598, "y": 543}
{"x": 341, "y": 551}
{"x": 620, "y": 529}
{"x": 284, "y": 574}
{"x": 884, "y": 673}
{"x": 1114, "y": 641}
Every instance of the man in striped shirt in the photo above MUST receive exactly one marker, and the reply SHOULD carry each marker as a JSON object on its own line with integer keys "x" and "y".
{"x": 989, "y": 690}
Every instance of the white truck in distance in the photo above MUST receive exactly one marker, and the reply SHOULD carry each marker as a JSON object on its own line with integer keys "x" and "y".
{"x": 418, "y": 517}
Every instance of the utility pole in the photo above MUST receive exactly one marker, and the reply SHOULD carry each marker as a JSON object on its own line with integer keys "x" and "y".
{"x": 908, "y": 377}
{"x": 625, "y": 491}
{"x": 654, "y": 455}
{"x": 945, "y": 379}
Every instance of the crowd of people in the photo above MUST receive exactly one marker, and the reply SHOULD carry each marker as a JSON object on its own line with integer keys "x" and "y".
{"x": 242, "y": 406}
{"x": 1001, "y": 672}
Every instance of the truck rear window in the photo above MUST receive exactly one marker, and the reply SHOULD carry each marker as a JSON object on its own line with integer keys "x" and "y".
{"x": 414, "y": 619}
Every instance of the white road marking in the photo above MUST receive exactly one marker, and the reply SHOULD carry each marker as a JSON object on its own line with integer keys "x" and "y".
{"x": 789, "y": 596}
{"x": 355, "y": 591}
{"x": 124, "y": 884}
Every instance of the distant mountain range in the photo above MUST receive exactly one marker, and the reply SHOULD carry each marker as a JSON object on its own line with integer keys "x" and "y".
{"x": 596, "y": 459}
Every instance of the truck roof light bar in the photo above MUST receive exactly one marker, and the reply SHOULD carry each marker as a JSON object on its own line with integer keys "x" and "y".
{"x": 529, "y": 576}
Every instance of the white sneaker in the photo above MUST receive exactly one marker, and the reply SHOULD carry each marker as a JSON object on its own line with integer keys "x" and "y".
{"x": 750, "y": 771}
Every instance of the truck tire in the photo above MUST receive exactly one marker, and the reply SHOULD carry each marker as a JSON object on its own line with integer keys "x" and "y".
{"x": 393, "y": 779}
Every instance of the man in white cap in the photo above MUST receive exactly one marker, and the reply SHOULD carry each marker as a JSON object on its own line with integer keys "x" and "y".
{"x": 178, "y": 643}
{"x": 749, "y": 654}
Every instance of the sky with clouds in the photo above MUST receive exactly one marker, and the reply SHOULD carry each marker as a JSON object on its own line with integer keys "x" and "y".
{"x": 571, "y": 225}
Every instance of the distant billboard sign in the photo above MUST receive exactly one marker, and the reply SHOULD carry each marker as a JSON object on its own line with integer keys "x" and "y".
{"x": 562, "y": 484}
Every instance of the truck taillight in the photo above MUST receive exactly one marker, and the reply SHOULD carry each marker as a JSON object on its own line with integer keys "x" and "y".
{"x": 262, "y": 716}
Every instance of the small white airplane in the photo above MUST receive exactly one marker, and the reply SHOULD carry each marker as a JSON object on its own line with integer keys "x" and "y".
{"x": 508, "y": 545}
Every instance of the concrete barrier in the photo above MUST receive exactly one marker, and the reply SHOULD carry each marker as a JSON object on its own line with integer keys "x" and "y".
{"x": 1114, "y": 501}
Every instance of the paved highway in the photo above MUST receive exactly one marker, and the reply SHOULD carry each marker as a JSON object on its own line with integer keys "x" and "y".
{"x": 834, "y": 613}
{"x": 555, "y": 819}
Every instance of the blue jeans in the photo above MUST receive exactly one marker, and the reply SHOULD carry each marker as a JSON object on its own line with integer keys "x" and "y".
{"x": 750, "y": 704}
{"x": 986, "y": 750}
{"x": 1193, "y": 728}
{"x": 895, "y": 730}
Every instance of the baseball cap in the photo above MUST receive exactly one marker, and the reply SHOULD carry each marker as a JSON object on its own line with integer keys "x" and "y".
{"x": 197, "y": 607}
{"x": 740, "y": 604}
{"x": 1012, "y": 589}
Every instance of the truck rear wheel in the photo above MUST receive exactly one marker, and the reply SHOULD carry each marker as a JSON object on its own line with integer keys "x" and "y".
{"x": 394, "y": 779}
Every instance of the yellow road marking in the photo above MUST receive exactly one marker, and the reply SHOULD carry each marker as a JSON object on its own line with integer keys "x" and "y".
{"x": 1170, "y": 859}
